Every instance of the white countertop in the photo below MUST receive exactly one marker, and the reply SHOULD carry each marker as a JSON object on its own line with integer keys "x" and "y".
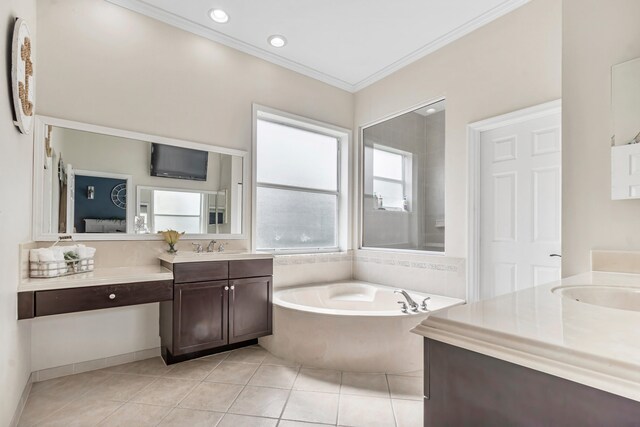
{"x": 181, "y": 257}
{"x": 99, "y": 276}
{"x": 535, "y": 328}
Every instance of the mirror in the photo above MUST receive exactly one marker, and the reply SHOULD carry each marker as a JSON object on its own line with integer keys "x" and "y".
{"x": 403, "y": 181}
{"x": 625, "y": 110}
{"x": 100, "y": 183}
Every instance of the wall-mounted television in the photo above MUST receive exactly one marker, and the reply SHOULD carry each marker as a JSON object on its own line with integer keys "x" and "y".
{"x": 169, "y": 161}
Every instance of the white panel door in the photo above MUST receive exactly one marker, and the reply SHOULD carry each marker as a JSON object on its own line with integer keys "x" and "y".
{"x": 520, "y": 205}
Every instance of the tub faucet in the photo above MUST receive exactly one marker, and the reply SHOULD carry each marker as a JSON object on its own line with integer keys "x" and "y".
{"x": 410, "y": 301}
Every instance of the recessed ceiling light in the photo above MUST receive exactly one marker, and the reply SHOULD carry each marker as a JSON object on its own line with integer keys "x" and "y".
{"x": 219, "y": 16}
{"x": 431, "y": 110}
{"x": 277, "y": 41}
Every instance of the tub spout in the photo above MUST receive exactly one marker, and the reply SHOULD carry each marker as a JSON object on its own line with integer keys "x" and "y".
{"x": 410, "y": 301}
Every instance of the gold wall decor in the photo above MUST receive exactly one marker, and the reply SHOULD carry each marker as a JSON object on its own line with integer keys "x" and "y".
{"x": 22, "y": 76}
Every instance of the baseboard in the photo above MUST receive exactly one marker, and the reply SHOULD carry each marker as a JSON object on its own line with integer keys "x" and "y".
{"x": 93, "y": 365}
{"x": 23, "y": 401}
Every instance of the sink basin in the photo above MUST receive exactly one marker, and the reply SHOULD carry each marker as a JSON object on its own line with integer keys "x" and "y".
{"x": 619, "y": 297}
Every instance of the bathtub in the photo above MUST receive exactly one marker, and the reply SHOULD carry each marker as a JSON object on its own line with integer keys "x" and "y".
{"x": 349, "y": 326}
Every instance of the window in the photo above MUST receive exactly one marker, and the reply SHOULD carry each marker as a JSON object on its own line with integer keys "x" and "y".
{"x": 177, "y": 211}
{"x": 391, "y": 178}
{"x": 297, "y": 185}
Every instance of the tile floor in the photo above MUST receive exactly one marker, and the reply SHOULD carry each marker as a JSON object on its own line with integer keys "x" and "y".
{"x": 248, "y": 387}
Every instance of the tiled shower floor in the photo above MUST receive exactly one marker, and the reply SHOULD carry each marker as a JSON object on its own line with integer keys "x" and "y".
{"x": 243, "y": 388}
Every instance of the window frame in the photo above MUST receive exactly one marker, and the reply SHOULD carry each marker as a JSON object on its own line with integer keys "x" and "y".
{"x": 405, "y": 157}
{"x": 342, "y": 137}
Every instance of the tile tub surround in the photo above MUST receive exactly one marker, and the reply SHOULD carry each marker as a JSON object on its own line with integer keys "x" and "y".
{"x": 293, "y": 270}
{"x": 535, "y": 328}
{"x": 277, "y": 392}
{"x": 434, "y": 274}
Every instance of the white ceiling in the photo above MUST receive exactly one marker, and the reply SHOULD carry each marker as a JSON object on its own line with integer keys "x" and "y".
{"x": 346, "y": 43}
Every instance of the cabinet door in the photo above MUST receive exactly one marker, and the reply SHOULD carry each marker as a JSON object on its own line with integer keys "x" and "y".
{"x": 249, "y": 308}
{"x": 200, "y": 313}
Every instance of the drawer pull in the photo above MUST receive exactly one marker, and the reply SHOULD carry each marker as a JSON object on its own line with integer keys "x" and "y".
{"x": 112, "y": 296}
{"x": 226, "y": 288}
{"x": 233, "y": 288}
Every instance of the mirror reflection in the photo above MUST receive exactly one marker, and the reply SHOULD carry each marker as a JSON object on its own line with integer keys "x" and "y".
{"x": 97, "y": 183}
{"x": 403, "y": 203}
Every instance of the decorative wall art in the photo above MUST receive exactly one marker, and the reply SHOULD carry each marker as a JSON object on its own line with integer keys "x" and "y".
{"x": 22, "y": 77}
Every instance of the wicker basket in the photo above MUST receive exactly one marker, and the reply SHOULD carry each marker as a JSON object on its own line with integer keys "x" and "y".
{"x": 49, "y": 269}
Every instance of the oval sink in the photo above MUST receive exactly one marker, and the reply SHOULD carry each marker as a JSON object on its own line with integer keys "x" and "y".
{"x": 619, "y": 297}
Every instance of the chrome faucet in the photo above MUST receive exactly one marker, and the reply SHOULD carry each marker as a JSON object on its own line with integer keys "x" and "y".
{"x": 221, "y": 246}
{"x": 197, "y": 247}
{"x": 211, "y": 246}
{"x": 410, "y": 301}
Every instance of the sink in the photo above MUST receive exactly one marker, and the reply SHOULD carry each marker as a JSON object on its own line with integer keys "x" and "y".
{"x": 207, "y": 254}
{"x": 618, "y": 297}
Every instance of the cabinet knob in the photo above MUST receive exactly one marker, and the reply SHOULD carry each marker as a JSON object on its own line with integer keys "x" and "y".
{"x": 112, "y": 296}
{"x": 232, "y": 287}
{"x": 226, "y": 288}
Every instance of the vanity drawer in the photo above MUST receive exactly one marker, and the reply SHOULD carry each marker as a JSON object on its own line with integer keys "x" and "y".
{"x": 250, "y": 268}
{"x": 189, "y": 272}
{"x": 70, "y": 300}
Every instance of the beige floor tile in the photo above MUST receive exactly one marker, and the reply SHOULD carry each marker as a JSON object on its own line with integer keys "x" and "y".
{"x": 312, "y": 407}
{"x": 39, "y": 406}
{"x": 409, "y": 413}
{"x": 164, "y": 392}
{"x": 136, "y": 415}
{"x": 249, "y": 355}
{"x": 274, "y": 376}
{"x": 180, "y": 417}
{"x": 120, "y": 387}
{"x": 419, "y": 373}
{"x": 364, "y": 384}
{"x": 193, "y": 370}
{"x": 233, "y": 373}
{"x": 212, "y": 397}
{"x": 233, "y": 420}
{"x": 81, "y": 412}
{"x": 270, "y": 359}
{"x": 365, "y": 411}
{"x": 154, "y": 367}
{"x": 289, "y": 423}
{"x": 219, "y": 357}
{"x": 260, "y": 401}
{"x": 318, "y": 380}
{"x": 71, "y": 385}
{"x": 406, "y": 387}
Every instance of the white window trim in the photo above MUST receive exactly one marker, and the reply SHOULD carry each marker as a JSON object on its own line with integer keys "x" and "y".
{"x": 343, "y": 136}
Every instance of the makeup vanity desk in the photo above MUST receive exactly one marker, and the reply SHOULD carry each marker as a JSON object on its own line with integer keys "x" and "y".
{"x": 98, "y": 289}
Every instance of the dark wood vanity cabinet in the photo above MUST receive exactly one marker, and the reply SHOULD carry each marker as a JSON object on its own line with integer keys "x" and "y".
{"x": 465, "y": 388}
{"x": 217, "y": 305}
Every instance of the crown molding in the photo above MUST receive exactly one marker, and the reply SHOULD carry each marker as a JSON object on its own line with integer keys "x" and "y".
{"x": 162, "y": 15}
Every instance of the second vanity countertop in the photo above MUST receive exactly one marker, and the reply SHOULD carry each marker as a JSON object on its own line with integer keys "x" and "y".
{"x": 535, "y": 328}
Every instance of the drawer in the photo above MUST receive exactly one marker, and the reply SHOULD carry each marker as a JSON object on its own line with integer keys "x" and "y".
{"x": 250, "y": 268}
{"x": 189, "y": 272}
{"x": 70, "y": 300}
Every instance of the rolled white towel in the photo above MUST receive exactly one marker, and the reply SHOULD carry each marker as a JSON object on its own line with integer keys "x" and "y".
{"x": 34, "y": 255}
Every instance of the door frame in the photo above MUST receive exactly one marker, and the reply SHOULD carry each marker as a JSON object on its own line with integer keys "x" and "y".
{"x": 474, "y": 131}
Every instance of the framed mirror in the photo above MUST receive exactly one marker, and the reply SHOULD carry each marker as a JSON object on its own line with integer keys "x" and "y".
{"x": 99, "y": 183}
{"x": 402, "y": 203}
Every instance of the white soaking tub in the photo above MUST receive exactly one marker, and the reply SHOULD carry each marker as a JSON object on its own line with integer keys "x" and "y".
{"x": 349, "y": 326}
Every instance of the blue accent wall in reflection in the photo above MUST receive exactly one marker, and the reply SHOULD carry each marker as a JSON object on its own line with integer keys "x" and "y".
{"x": 101, "y": 207}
